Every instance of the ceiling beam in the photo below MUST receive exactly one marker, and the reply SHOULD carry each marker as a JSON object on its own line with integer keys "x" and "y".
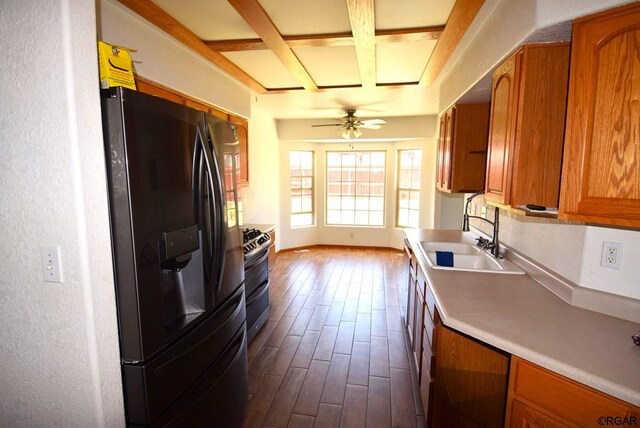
{"x": 362, "y": 18}
{"x": 253, "y": 13}
{"x": 461, "y": 17}
{"x": 329, "y": 40}
{"x": 158, "y": 17}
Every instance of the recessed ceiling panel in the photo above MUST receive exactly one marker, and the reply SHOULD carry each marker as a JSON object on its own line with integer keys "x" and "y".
{"x": 308, "y": 16}
{"x": 402, "y": 62}
{"x": 394, "y": 14}
{"x": 265, "y": 67}
{"x": 332, "y": 66}
{"x": 209, "y": 19}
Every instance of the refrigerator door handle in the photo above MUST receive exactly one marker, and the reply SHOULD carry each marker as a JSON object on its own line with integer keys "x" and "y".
{"x": 220, "y": 206}
{"x": 202, "y": 165}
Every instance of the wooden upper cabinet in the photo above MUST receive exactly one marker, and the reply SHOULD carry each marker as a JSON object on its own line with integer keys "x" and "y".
{"x": 601, "y": 170}
{"x": 527, "y": 126}
{"x": 462, "y": 148}
{"x": 243, "y": 141}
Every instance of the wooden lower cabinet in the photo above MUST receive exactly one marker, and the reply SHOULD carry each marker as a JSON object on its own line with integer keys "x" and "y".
{"x": 470, "y": 386}
{"x": 466, "y": 383}
{"x": 541, "y": 398}
{"x": 272, "y": 250}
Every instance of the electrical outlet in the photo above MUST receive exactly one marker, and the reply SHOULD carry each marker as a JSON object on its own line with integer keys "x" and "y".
{"x": 611, "y": 255}
{"x": 51, "y": 264}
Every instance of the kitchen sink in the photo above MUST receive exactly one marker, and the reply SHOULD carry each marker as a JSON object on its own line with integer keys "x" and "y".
{"x": 468, "y": 258}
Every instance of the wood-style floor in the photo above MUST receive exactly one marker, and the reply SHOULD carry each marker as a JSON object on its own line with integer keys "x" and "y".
{"x": 333, "y": 352}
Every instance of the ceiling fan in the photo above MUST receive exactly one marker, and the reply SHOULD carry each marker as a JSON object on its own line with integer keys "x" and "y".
{"x": 352, "y": 124}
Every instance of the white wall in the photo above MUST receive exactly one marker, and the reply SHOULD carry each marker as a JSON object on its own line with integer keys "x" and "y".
{"x": 165, "y": 61}
{"x": 421, "y": 129}
{"x": 261, "y": 198}
{"x": 59, "y": 343}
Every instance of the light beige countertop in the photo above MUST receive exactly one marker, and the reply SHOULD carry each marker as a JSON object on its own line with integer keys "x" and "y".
{"x": 518, "y": 315}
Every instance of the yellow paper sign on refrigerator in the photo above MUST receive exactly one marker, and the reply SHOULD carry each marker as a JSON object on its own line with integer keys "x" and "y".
{"x": 116, "y": 66}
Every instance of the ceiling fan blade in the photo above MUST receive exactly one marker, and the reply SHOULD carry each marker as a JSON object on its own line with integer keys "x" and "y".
{"x": 374, "y": 122}
{"x": 370, "y": 126}
{"x": 329, "y": 124}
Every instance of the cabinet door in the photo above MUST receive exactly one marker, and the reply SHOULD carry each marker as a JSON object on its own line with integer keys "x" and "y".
{"x": 601, "y": 169}
{"x": 522, "y": 415}
{"x": 448, "y": 148}
{"x": 502, "y": 129}
{"x": 440, "y": 157}
{"x": 243, "y": 141}
{"x": 470, "y": 131}
{"x": 470, "y": 382}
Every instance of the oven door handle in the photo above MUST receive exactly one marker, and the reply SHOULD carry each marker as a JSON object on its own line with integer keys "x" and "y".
{"x": 253, "y": 261}
{"x": 258, "y": 293}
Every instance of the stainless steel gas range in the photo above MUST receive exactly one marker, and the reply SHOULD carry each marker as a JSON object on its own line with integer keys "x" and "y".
{"x": 256, "y": 276}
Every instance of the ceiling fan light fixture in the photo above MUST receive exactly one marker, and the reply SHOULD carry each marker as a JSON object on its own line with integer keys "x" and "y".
{"x": 346, "y": 134}
{"x": 357, "y": 133}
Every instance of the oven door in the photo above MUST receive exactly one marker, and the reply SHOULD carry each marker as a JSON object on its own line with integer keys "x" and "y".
{"x": 257, "y": 289}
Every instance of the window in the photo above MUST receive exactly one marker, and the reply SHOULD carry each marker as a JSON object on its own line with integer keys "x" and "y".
{"x": 408, "y": 187}
{"x": 355, "y": 188}
{"x": 301, "y": 173}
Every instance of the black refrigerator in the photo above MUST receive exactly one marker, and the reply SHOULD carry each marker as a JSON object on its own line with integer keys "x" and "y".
{"x": 177, "y": 245}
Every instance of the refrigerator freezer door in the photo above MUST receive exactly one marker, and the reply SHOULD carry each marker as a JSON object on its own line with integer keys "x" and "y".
{"x": 167, "y": 387}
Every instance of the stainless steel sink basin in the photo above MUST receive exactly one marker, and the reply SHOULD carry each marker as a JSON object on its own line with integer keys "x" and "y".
{"x": 467, "y": 258}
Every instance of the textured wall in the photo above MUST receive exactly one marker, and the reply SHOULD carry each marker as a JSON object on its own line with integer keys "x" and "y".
{"x": 59, "y": 347}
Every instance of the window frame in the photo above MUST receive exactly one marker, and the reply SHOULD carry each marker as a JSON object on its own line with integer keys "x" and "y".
{"x": 313, "y": 191}
{"x": 403, "y": 189}
{"x": 384, "y": 189}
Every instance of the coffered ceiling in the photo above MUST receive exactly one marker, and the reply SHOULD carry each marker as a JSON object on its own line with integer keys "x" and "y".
{"x": 283, "y": 46}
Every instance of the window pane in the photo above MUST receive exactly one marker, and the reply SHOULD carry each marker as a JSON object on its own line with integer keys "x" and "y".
{"x": 403, "y": 199}
{"x": 296, "y": 205}
{"x": 413, "y": 219}
{"x": 348, "y": 203}
{"x": 403, "y": 217}
{"x": 347, "y": 217}
{"x": 377, "y": 203}
{"x": 362, "y": 203}
{"x": 352, "y": 178}
{"x": 376, "y": 218}
{"x": 333, "y": 217}
{"x": 307, "y": 203}
{"x": 363, "y": 189}
{"x": 301, "y": 187}
{"x": 333, "y": 202}
{"x": 415, "y": 200}
{"x": 362, "y": 217}
{"x": 408, "y": 179}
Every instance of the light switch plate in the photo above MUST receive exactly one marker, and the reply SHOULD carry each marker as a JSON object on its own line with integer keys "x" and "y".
{"x": 51, "y": 264}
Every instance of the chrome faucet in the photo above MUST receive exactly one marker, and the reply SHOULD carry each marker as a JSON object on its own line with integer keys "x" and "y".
{"x": 493, "y": 246}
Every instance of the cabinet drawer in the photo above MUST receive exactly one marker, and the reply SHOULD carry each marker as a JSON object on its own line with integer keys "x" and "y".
{"x": 426, "y": 389}
{"x": 430, "y": 301}
{"x": 563, "y": 397}
{"x": 428, "y": 331}
{"x": 427, "y": 356}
